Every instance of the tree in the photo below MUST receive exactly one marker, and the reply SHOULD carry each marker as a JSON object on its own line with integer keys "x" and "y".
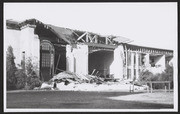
{"x": 167, "y": 75}
{"x": 10, "y": 69}
{"x": 21, "y": 79}
{"x": 32, "y": 78}
{"x": 29, "y": 66}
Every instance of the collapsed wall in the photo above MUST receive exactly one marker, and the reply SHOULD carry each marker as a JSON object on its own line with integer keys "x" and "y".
{"x": 77, "y": 58}
{"x": 106, "y": 63}
{"x": 25, "y": 44}
{"x": 100, "y": 62}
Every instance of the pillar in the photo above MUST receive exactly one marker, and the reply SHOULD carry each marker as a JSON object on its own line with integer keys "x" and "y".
{"x": 132, "y": 65}
{"x": 137, "y": 66}
{"x": 147, "y": 59}
{"x": 81, "y": 59}
{"x": 126, "y": 64}
{"x": 69, "y": 58}
{"x": 116, "y": 68}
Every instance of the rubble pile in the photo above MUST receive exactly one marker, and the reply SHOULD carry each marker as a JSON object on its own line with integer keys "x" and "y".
{"x": 67, "y": 76}
{"x": 76, "y": 78}
{"x": 76, "y": 82}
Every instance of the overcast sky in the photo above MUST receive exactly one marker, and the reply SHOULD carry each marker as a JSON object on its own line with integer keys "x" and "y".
{"x": 147, "y": 24}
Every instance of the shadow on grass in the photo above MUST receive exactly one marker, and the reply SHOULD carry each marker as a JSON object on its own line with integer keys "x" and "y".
{"x": 75, "y": 100}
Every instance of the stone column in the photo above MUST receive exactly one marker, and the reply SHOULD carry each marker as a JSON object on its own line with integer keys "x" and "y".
{"x": 126, "y": 64}
{"x": 81, "y": 58}
{"x": 132, "y": 65}
{"x": 137, "y": 65}
{"x": 116, "y": 67}
{"x": 69, "y": 58}
{"x": 147, "y": 59}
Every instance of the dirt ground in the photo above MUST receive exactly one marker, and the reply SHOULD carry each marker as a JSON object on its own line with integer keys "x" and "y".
{"x": 157, "y": 97}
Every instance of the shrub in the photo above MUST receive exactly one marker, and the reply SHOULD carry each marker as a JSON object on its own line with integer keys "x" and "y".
{"x": 32, "y": 79}
{"x": 29, "y": 66}
{"x": 10, "y": 69}
{"x": 21, "y": 79}
{"x": 146, "y": 76}
{"x": 167, "y": 75}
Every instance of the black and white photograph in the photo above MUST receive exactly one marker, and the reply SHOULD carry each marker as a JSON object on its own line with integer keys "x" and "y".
{"x": 90, "y": 57}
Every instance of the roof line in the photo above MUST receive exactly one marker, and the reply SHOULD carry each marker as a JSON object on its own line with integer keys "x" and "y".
{"x": 146, "y": 47}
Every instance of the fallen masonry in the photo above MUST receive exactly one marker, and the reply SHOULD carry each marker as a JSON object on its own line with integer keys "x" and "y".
{"x": 68, "y": 81}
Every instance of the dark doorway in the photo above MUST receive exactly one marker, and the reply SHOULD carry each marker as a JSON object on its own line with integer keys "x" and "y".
{"x": 46, "y": 60}
{"x": 59, "y": 59}
{"x": 101, "y": 61}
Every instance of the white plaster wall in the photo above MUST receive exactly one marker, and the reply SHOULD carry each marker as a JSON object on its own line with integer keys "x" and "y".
{"x": 31, "y": 45}
{"x": 81, "y": 59}
{"x": 116, "y": 67}
{"x": 27, "y": 40}
{"x": 24, "y": 40}
{"x": 147, "y": 64}
{"x": 69, "y": 58}
{"x": 12, "y": 38}
{"x": 77, "y": 59}
{"x": 155, "y": 70}
{"x": 161, "y": 61}
{"x": 171, "y": 62}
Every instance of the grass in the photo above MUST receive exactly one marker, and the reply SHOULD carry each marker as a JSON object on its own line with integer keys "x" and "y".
{"x": 156, "y": 97}
{"x": 76, "y": 100}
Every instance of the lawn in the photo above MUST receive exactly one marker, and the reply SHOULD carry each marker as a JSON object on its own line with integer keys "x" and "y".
{"x": 156, "y": 97}
{"x": 77, "y": 100}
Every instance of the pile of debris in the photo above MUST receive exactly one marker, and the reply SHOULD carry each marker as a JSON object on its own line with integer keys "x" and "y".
{"x": 69, "y": 81}
{"x": 69, "y": 78}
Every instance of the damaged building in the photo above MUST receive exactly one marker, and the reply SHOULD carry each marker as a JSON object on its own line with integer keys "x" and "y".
{"x": 55, "y": 49}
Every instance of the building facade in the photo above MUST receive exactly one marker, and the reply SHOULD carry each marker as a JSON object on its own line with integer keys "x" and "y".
{"x": 55, "y": 49}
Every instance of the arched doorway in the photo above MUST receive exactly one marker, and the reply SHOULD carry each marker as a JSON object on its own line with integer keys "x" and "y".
{"x": 46, "y": 60}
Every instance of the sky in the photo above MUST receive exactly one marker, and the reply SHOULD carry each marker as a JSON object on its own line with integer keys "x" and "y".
{"x": 147, "y": 24}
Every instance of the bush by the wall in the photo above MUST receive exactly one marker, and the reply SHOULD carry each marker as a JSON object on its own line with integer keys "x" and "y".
{"x": 32, "y": 78}
{"x": 21, "y": 79}
{"x": 29, "y": 66}
{"x": 146, "y": 75}
{"x": 10, "y": 69}
{"x": 167, "y": 75}
{"x": 33, "y": 81}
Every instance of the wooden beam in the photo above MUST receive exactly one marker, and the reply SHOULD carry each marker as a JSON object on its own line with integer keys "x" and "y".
{"x": 106, "y": 42}
{"x": 101, "y": 45}
{"x": 87, "y": 38}
{"x": 83, "y": 40}
{"x": 75, "y": 33}
{"x": 90, "y": 38}
{"x": 60, "y": 36}
{"x": 81, "y": 36}
{"x": 109, "y": 40}
{"x": 96, "y": 39}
